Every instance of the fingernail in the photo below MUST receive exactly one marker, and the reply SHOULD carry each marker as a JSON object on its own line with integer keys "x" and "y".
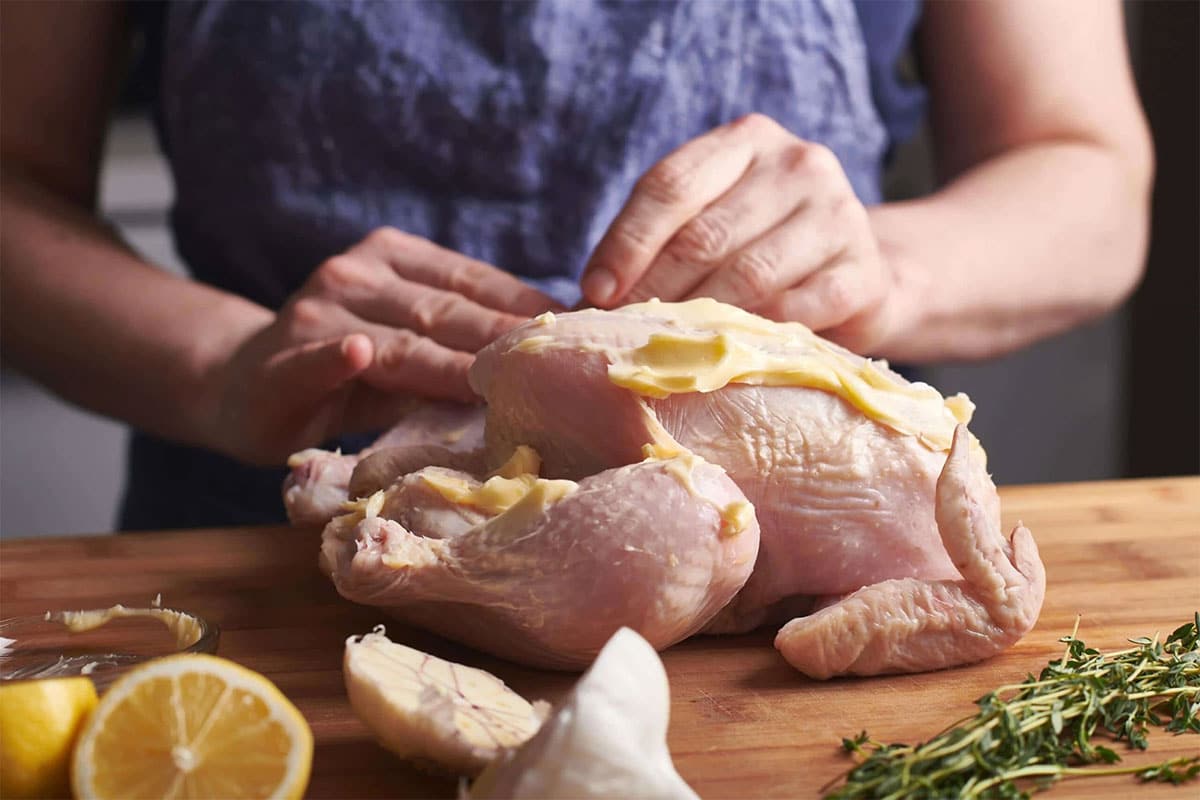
{"x": 599, "y": 286}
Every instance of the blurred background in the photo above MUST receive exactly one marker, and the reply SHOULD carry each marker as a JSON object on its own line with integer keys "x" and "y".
{"x": 1120, "y": 398}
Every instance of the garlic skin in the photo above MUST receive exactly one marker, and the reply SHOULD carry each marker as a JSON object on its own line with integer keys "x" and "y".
{"x": 607, "y": 739}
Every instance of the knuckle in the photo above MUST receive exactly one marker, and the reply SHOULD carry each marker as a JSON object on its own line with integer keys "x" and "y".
{"x": 706, "y": 238}
{"x": 340, "y": 273}
{"x": 629, "y": 240}
{"x": 305, "y": 314}
{"x": 501, "y": 324}
{"x": 401, "y": 349}
{"x": 463, "y": 277}
{"x": 849, "y": 237}
{"x": 841, "y": 293}
{"x": 841, "y": 208}
{"x": 812, "y": 159}
{"x": 388, "y": 237}
{"x": 757, "y": 121}
{"x": 760, "y": 121}
{"x": 756, "y": 274}
{"x": 669, "y": 182}
{"x": 638, "y": 238}
{"x": 823, "y": 161}
{"x": 431, "y": 311}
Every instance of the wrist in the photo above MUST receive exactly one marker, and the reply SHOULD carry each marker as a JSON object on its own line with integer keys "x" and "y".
{"x": 910, "y": 287}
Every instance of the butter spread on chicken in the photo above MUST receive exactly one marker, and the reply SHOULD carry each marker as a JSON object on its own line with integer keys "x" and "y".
{"x": 867, "y": 524}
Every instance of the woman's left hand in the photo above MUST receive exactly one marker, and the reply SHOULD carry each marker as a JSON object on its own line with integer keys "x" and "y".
{"x": 751, "y": 215}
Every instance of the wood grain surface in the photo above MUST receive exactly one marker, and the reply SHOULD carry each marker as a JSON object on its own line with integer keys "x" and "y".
{"x": 1123, "y": 555}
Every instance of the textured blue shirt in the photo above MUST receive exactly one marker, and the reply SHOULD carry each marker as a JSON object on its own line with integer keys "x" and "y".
{"x": 509, "y": 131}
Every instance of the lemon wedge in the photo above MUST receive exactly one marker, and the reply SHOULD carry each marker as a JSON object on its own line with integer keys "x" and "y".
{"x": 193, "y": 726}
{"x": 39, "y": 722}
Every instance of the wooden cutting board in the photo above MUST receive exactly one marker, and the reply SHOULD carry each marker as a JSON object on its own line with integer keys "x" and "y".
{"x": 1123, "y": 556}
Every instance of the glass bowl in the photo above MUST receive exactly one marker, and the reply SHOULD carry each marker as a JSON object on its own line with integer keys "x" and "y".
{"x": 99, "y": 643}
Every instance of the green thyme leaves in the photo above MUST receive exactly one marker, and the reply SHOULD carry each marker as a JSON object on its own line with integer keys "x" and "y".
{"x": 1026, "y": 736}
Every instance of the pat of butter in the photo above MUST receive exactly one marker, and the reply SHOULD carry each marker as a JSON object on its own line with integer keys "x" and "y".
{"x": 524, "y": 461}
{"x": 736, "y": 517}
{"x": 498, "y": 494}
{"x": 712, "y": 345}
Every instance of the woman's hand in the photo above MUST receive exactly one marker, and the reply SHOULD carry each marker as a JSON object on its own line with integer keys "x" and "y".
{"x": 750, "y": 215}
{"x": 393, "y": 317}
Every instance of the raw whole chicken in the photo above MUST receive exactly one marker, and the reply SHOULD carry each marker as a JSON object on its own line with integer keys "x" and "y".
{"x": 680, "y": 468}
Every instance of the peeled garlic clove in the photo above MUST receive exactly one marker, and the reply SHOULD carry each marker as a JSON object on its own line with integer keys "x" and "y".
{"x": 429, "y": 710}
{"x": 607, "y": 739}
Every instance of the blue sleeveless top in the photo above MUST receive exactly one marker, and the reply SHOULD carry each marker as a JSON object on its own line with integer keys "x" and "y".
{"x": 509, "y": 131}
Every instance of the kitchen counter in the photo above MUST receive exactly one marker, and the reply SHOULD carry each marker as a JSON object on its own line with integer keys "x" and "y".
{"x": 1123, "y": 555}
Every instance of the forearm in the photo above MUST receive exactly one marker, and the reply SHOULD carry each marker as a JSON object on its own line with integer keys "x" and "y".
{"x": 1022, "y": 246}
{"x": 83, "y": 314}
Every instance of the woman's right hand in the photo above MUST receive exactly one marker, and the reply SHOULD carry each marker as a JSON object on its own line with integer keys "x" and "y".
{"x": 395, "y": 316}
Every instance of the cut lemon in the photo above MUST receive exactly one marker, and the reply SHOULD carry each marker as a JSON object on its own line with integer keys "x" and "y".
{"x": 39, "y": 720}
{"x": 193, "y": 726}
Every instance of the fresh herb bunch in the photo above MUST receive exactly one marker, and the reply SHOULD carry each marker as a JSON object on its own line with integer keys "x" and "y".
{"x": 1034, "y": 733}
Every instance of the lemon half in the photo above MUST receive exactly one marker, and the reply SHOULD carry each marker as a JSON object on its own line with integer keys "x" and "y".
{"x": 193, "y": 726}
{"x": 39, "y": 721}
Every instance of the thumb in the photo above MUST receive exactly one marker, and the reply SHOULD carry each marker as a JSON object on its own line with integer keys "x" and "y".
{"x": 313, "y": 370}
{"x": 310, "y": 385}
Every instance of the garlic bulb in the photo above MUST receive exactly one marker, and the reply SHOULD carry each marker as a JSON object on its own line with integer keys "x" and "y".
{"x": 430, "y": 710}
{"x": 608, "y": 739}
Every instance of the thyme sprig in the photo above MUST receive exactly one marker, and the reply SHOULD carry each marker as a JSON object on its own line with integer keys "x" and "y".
{"x": 1031, "y": 734}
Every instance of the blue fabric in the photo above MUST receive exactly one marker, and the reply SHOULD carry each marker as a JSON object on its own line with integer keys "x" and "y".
{"x": 887, "y": 27}
{"x": 509, "y": 131}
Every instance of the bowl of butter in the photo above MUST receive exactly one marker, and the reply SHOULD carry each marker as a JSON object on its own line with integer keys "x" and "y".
{"x": 101, "y": 643}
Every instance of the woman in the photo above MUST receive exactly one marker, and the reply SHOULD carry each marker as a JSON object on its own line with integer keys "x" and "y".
{"x": 357, "y": 186}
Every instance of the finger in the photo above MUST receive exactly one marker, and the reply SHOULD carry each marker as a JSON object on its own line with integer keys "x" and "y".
{"x": 421, "y": 261}
{"x": 444, "y": 316}
{"x": 829, "y": 298}
{"x": 664, "y": 199}
{"x": 307, "y": 384}
{"x": 405, "y": 361}
{"x": 398, "y": 360}
{"x": 782, "y": 257}
{"x": 767, "y": 194}
{"x": 314, "y": 369}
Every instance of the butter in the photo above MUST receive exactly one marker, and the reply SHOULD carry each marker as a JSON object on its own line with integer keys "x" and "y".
{"x": 184, "y": 627}
{"x": 523, "y": 461}
{"x": 368, "y": 507}
{"x": 712, "y": 345}
{"x": 456, "y": 435}
{"x": 736, "y": 517}
{"x": 514, "y": 481}
{"x": 534, "y": 344}
{"x": 660, "y": 451}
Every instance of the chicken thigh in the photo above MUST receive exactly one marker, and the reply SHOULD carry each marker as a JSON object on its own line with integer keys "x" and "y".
{"x": 876, "y": 526}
